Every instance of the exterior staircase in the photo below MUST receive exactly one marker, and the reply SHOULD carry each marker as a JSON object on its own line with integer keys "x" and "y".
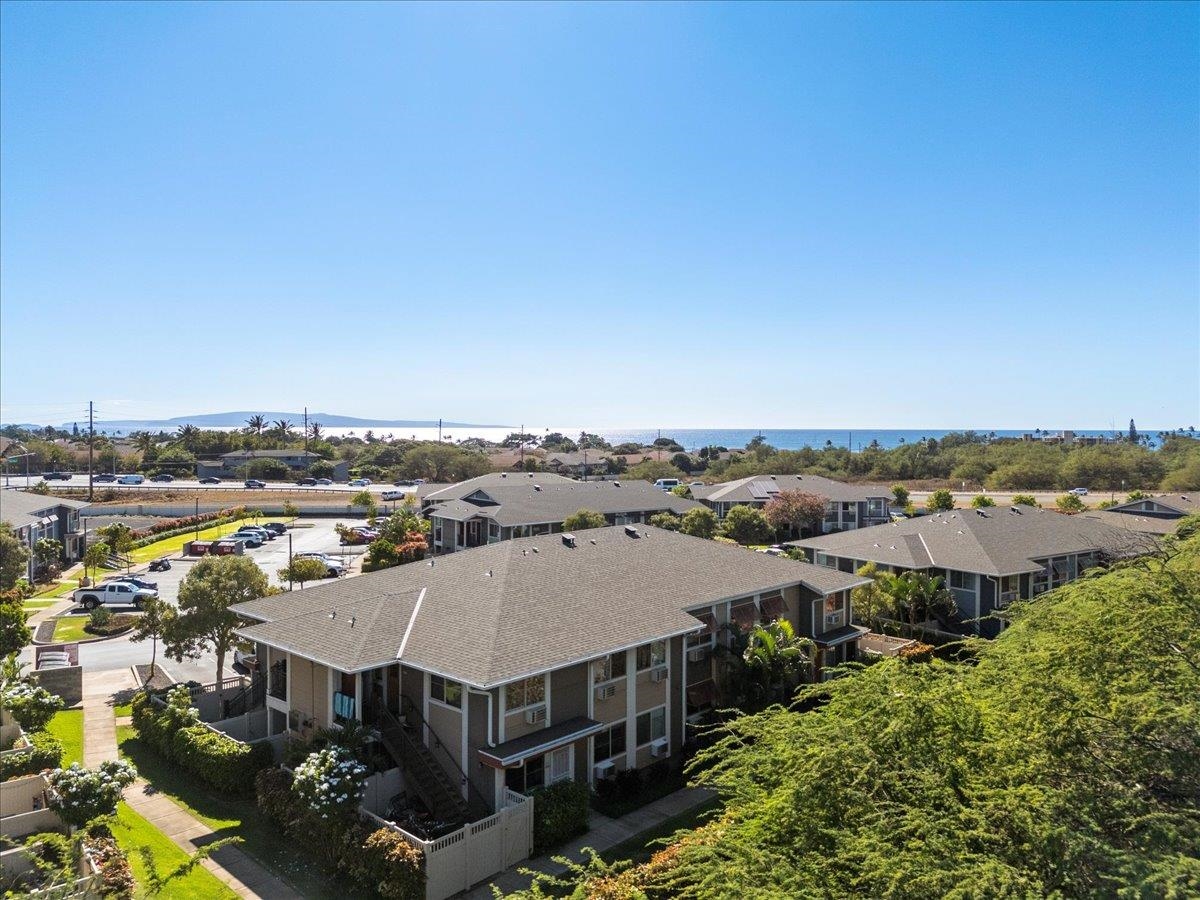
{"x": 252, "y": 696}
{"x": 425, "y": 776}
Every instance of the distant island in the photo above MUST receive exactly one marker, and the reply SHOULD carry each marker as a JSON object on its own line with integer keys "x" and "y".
{"x": 238, "y": 420}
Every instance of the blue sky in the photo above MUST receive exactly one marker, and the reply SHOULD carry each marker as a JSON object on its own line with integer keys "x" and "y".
{"x": 615, "y": 215}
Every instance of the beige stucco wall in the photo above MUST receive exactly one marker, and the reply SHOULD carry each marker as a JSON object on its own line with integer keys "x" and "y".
{"x": 649, "y": 693}
{"x": 309, "y": 689}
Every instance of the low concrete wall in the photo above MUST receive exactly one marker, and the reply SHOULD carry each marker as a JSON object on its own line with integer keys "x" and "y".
{"x": 250, "y": 727}
{"x": 380, "y": 789}
{"x": 12, "y": 738}
{"x": 25, "y": 801}
{"x": 66, "y": 682}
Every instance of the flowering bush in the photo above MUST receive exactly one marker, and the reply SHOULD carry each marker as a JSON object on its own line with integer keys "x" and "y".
{"x": 33, "y": 707}
{"x": 44, "y": 752}
{"x": 330, "y": 782}
{"x": 81, "y": 795}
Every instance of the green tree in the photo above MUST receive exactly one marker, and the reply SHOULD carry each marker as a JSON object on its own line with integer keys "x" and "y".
{"x": 940, "y": 501}
{"x": 302, "y": 570}
{"x": 872, "y": 604}
{"x": 1134, "y": 496}
{"x": 651, "y": 470}
{"x": 119, "y": 538}
{"x": 1025, "y": 500}
{"x": 205, "y": 621}
{"x": 267, "y": 469}
{"x": 791, "y": 511}
{"x": 746, "y": 525}
{"x": 1070, "y": 503}
{"x": 95, "y": 556}
{"x": 155, "y": 620}
{"x": 981, "y": 501}
{"x": 666, "y": 520}
{"x": 257, "y": 423}
{"x": 290, "y": 510}
{"x": 699, "y": 521}
{"x": 584, "y": 519}
{"x": 15, "y": 634}
{"x": 775, "y": 660}
{"x": 900, "y": 495}
{"x": 321, "y": 468}
{"x": 14, "y": 558}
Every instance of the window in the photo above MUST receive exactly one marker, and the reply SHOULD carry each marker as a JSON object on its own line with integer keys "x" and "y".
{"x": 651, "y": 725}
{"x": 1041, "y": 580}
{"x": 651, "y": 655}
{"x": 963, "y": 581}
{"x": 705, "y": 637}
{"x": 770, "y": 607}
{"x": 528, "y": 692}
{"x": 443, "y": 690}
{"x": 1061, "y": 570}
{"x": 527, "y": 777}
{"x": 823, "y": 559}
{"x": 609, "y": 743}
{"x": 834, "y": 614}
{"x": 610, "y": 667}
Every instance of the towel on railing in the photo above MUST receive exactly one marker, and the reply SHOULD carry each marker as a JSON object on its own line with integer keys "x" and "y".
{"x": 343, "y": 705}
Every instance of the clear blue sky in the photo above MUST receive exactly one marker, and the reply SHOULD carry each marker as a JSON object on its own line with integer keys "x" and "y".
{"x": 616, "y": 215}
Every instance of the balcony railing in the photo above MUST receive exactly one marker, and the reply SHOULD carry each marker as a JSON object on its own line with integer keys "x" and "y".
{"x": 278, "y": 680}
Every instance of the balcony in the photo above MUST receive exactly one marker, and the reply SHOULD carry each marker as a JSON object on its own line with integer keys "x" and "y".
{"x": 277, "y": 681}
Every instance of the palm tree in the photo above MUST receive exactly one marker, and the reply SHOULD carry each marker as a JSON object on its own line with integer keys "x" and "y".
{"x": 284, "y": 427}
{"x": 917, "y": 592}
{"x": 187, "y": 435}
{"x": 257, "y": 423}
{"x": 314, "y": 431}
{"x": 143, "y": 441}
{"x": 775, "y": 659}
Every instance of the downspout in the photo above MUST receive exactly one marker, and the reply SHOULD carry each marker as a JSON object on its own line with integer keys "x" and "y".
{"x": 491, "y": 724}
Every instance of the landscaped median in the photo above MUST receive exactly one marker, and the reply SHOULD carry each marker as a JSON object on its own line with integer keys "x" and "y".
{"x": 172, "y": 545}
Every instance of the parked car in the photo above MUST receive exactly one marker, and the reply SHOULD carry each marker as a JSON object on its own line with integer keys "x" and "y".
{"x": 160, "y": 565}
{"x": 403, "y": 482}
{"x": 275, "y": 527}
{"x": 394, "y": 495}
{"x": 130, "y": 479}
{"x": 163, "y": 476}
{"x": 244, "y": 656}
{"x": 1078, "y": 492}
{"x": 114, "y": 593}
{"x": 104, "y": 477}
{"x": 255, "y": 483}
{"x": 324, "y": 482}
{"x": 135, "y": 580}
{"x": 265, "y": 533}
{"x": 56, "y": 476}
{"x": 334, "y": 566}
{"x": 209, "y": 479}
{"x": 249, "y": 538}
{"x": 361, "y": 482}
{"x": 667, "y": 483}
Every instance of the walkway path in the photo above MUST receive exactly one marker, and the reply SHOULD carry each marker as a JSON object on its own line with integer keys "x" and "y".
{"x": 242, "y": 874}
{"x": 603, "y": 834}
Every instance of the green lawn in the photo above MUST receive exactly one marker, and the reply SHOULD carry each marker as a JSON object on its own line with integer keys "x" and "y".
{"x": 173, "y": 545}
{"x": 123, "y": 709}
{"x": 643, "y": 845}
{"x": 32, "y": 606}
{"x": 228, "y": 816}
{"x": 67, "y": 726}
{"x": 132, "y": 831}
{"x": 61, "y": 589}
{"x": 70, "y": 628}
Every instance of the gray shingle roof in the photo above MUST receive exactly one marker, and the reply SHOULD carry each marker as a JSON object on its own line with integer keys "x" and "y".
{"x": 757, "y": 489}
{"x": 1130, "y": 521}
{"x": 526, "y": 501}
{"x": 268, "y": 454}
{"x": 992, "y": 541}
{"x": 519, "y": 607}
{"x": 16, "y": 507}
{"x": 1183, "y": 504}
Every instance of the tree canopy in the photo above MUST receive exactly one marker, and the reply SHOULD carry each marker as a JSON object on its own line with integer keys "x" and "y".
{"x": 583, "y": 519}
{"x": 1061, "y": 759}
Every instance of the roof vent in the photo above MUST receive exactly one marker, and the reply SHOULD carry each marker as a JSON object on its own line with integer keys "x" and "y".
{"x": 537, "y": 487}
{"x": 431, "y": 564}
{"x": 568, "y": 540}
{"x": 352, "y": 621}
{"x": 333, "y": 615}
{"x": 980, "y": 512}
{"x": 772, "y": 477}
{"x": 592, "y": 542}
{"x": 1016, "y": 509}
{"x": 489, "y": 573}
{"x": 503, "y": 474}
{"x": 631, "y": 531}
{"x": 535, "y": 549}
{"x": 616, "y": 484}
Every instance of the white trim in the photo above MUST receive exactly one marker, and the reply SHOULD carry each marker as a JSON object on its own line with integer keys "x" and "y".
{"x": 464, "y": 730}
{"x": 503, "y": 697}
{"x": 666, "y": 729}
{"x": 630, "y": 706}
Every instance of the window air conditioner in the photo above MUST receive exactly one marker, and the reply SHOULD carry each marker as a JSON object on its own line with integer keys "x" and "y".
{"x": 697, "y": 654}
{"x": 603, "y": 770}
{"x": 536, "y": 715}
{"x": 606, "y": 691}
{"x": 659, "y": 747}
{"x": 659, "y": 674}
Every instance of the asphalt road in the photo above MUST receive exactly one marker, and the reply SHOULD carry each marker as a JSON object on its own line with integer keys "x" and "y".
{"x": 1004, "y": 498}
{"x": 308, "y": 535}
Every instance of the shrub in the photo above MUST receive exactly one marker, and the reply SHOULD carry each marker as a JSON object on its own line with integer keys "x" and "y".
{"x": 81, "y": 795}
{"x": 917, "y": 653}
{"x": 389, "y": 865}
{"x": 666, "y": 520}
{"x": 157, "y": 727}
{"x": 979, "y": 501}
{"x": 32, "y": 706}
{"x": 100, "y": 617}
{"x": 115, "y": 874}
{"x": 44, "y": 752}
{"x": 273, "y": 793}
{"x": 1070, "y": 503}
{"x": 1025, "y": 500}
{"x": 560, "y": 812}
{"x": 940, "y": 501}
{"x": 218, "y": 759}
{"x": 113, "y": 624}
{"x": 746, "y": 525}
{"x": 330, "y": 782}
{"x": 900, "y": 495}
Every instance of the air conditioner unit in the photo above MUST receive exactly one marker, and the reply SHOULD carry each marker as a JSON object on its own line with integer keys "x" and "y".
{"x": 602, "y": 770}
{"x": 697, "y": 654}
{"x": 536, "y": 715}
{"x": 659, "y": 747}
{"x": 606, "y": 691}
{"x": 659, "y": 674}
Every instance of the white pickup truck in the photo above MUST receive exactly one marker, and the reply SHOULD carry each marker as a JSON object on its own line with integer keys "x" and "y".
{"x": 113, "y": 593}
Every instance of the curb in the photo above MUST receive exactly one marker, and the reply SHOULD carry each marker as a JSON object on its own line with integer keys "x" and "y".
{"x": 88, "y": 640}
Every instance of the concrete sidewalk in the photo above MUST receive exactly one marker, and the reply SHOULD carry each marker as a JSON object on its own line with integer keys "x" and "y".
{"x": 603, "y": 834}
{"x": 242, "y": 874}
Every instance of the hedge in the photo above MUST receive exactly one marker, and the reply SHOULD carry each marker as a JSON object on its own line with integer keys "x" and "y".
{"x": 44, "y": 752}
{"x": 560, "y": 812}
{"x": 379, "y": 860}
{"x": 217, "y": 759}
{"x": 186, "y": 525}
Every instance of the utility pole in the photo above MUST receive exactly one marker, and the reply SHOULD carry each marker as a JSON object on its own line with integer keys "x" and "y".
{"x": 91, "y": 448}
{"x": 306, "y": 429}
{"x": 521, "y": 437}
{"x": 439, "y": 431}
